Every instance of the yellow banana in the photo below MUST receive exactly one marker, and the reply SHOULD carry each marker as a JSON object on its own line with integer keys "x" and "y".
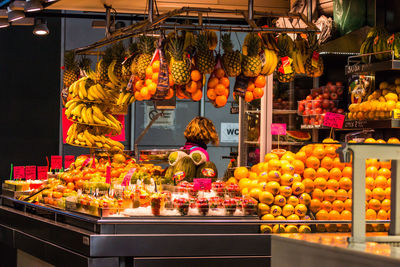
{"x": 97, "y": 112}
{"x": 69, "y": 103}
{"x": 70, "y": 108}
{"x": 83, "y": 91}
{"x": 77, "y": 110}
{"x": 82, "y": 85}
{"x": 111, "y": 74}
{"x": 106, "y": 146}
{"x": 83, "y": 115}
{"x": 93, "y": 93}
{"x": 99, "y": 144}
{"x": 96, "y": 138}
{"x": 100, "y": 91}
{"x": 90, "y": 95}
{"x": 98, "y": 121}
{"x": 88, "y": 136}
{"x": 125, "y": 98}
{"x": 89, "y": 115}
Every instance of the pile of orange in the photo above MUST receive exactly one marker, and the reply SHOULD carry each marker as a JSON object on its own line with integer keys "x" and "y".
{"x": 218, "y": 88}
{"x": 193, "y": 89}
{"x": 255, "y": 89}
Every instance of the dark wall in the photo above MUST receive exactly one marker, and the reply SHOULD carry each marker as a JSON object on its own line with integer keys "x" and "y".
{"x": 29, "y": 102}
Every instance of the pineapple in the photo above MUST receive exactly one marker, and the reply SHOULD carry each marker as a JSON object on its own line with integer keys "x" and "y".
{"x": 230, "y": 59}
{"x": 118, "y": 55}
{"x": 71, "y": 70}
{"x": 84, "y": 65}
{"x": 285, "y": 45}
{"x": 179, "y": 67}
{"x": 313, "y": 71}
{"x": 102, "y": 66}
{"x": 251, "y": 65}
{"x": 147, "y": 48}
{"x": 205, "y": 60}
{"x": 129, "y": 65}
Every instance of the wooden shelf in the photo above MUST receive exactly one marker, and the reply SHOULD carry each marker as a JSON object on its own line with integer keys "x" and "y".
{"x": 283, "y": 112}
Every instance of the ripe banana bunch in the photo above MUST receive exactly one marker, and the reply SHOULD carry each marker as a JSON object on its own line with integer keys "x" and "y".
{"x": 86, "y": 89}
{"x": 270, "y": 62}
{"x": 299, "y": 55}
{"x": 269, "y": 42}
{"x": 92, "y": 137}
{"x": 125, "y": 98}
{"x": 81, "y": 112}
{"x": 113, "y": 78}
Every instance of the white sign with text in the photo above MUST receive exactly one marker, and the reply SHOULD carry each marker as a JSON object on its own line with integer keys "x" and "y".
{"x": 229, "y": 132}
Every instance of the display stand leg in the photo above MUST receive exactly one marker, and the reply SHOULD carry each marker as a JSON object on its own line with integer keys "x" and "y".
{"x": 243, "y": 126}
{"x": 358, "y": 228}
{"x": 395, "y": 199}
{"x": 266, "y": 118}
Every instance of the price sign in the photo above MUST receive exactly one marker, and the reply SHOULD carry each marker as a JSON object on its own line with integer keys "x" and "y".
{"x": 30, "y": 172}
{"x": 128, "y": 177}
{"x": 56, "y": 162}
{"x": 108, "y": 175}
{"x": 42, "y": 172}
{"x": 19, "y": 172}
{"x": 334, "y": 120}
{"x": 68, "y": 160}
{"x": 86, "y": 162}
{"x": 278, "y": 128}
{"x": 396, "y": 114}
{"x": 202, "y": 184}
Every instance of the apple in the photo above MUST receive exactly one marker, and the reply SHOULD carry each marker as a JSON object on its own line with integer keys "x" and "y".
{"x": 333, "y": 89}
{"x": 312, "y": 121}
{"x": 279, "y": 100}
{"x": 340, "y": 111}
{"x": 301, "y": 108}
{"x": 325, "y": 103}
{"x": 326, "y": 90}
{"x": 334, "y": 110}
{"x": 329, "y": 84}
{"x": 334, "y": 96}
{"x": 318, "y": 111}
{"x": 314, "y": 94}
{"x": 339, "y": 90}
{"x": 339, "y": 84}
{"x": 309, "y": 97}
{"x": 325, "y": 95}
{"x": 317, "y": 103}
{"x": 310, "y": 105}
{"x": 306, "y": 120}
{"x": 307, "y": 112}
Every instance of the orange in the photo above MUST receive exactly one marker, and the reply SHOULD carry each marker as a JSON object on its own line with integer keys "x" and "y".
{"x": 197, "y": 96}
{"x": 154, "y": 77}
{"x": 380, "y": 141}
{"x": 308, "y": 185}
{"x": 280, "y": 218}
{"x": 286, "y": 179}
{"x": 144, "y": 92}
{"x": 212, "y": 82}
{"x": 298, "y": 188}
{"x": 387, "y": 193}
{"x": 393, "y": 140}
{"x": 147, "y": 82}
{"x": 385, "y": 204}
{"x": 315, "y": 205}
{"x": 332, "y": 184}
{"x": 293, "y": 217}
{"x": 270, "y": 156}
{"x": 288, "y": 156}
{"x": 370, "y": 214}
{"x": 341, "y": 194}
{"x": 384, "y": 172}
{"x": 170, "y": 94}
{"x": 301, "y": 155}
{"x": 300, "y": 210}
{"x": 272, "y": 187}
{"x": 226, "y": 92}
{"x": 285, "y": 191}
{"x": 293, "y": 200}
{"x": 152, "y": 88}
{"x": 371, "y": 172}
{"x": 382, "y": 215}
{"x": 241, "y": 172}
{"x": 305, "y": 199}
{"x": 287, "y": 210}
{"x": 335, "y": 173}
{"x": 319, "y": 152}
{"x": 138, "y": 96}
{"x": 221, "y": 100}
{"x": 389, "y": 182}
{"x": 348, "y": 204}
{"x": 326, "y": 205}
{"x": 322, "y": 172}
{"x": 139, "y": 85}
{"x": 320, "y": 183}
{"x": 155, "y": 66}
{"x": 346, "y": 215}
{"x": 274, "y": 176}
{"x": 199, "y": 85}
{"x": 338, "y": 164}
{"x": 195, "y": 75}
{"x": 219, "y": 73}
{"x": 312, "y": 162}
{"x": 308, "y": 149}
{"x": 296, "y": 178}
{"x": 327, "y": 163}
{"x": 370, "y": 183}
{"x": 260, "y": 81}
{"x": 338, "y": 205}
{"x": 330, "y": 151}
{"x": 322, "y": 215}
{"x": 368, "y": 194}
{"x": 381, "y": 181}
{"x": 191, "y": 87}
{"x": 211, "y": 94}
{"x": 274, "y": 164}
{"x": 370, "y": 140}
{"x": 374, "y": 204}
{"x": 276, "y": 210}
{"x": 318, "y": 194}
{"x": 347, "y": 172}
{"x": 250, "y": 86}
{"x": 334, "y": 215}
{"x": 287, "y": 168}
{"x": 220, "y": 89}
{"x": 149, "y": 72}
{"x": 298, "y": 166}
{"x": 345, "y": 183}
{"x": 258, "y": 93}
{"x": 378, "y": 193}
{"x": 329, "y": 195}
{"x": 248, "y": 97}
{"x": 386, "y": 164}
{"x": 71, "y": 186}
{"x": 372, "y": 162}
{"x": 224, "y": 81}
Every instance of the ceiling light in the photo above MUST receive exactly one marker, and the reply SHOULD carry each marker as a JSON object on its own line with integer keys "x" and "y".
{"x": 41, "y": 27}
{"x": 33, "y": 6}
{"x": 4, "y": 23}
{"x": 14, "y": 15}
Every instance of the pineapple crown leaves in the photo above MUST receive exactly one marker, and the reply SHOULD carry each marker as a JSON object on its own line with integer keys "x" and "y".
{"x": 108, "y": 56}
{"x": 133, "y": 48}
{"x": 70, "y": 60}
{"x": 285, "y": 45}
{"x": 84, "y": 63}
{"x": 253, "y": 45}
{"x": 227, "y": 44}
{"x": 202, "y": 42}
{"x": 312, "y": 41}
{"x": 118, "y": 51}
{"x": 146, "y": 44}
{"x": 175, "y": 47}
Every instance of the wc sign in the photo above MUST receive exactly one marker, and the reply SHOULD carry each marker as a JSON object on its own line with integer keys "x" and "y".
{"x": 229, "y": 132}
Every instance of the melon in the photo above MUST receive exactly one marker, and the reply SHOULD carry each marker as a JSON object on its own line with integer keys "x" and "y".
{"x": 198, "y": 157}
{"x": 298, "y": 136}
{"x": 184, "y": 169}
{"x": 175, "y": 156}
{"x": 207, "y": 170}
{"x": 169, "y": 172}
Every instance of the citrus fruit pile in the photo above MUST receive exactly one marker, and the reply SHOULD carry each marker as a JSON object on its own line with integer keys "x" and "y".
{"x": 255, "y": 89}
{"x": 145, "y": 89}
{"x": 218, "y": 88}
{"x": 193, "y": 90}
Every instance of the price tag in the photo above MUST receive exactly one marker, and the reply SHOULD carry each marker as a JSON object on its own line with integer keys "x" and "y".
{"x": 286, "y": 67}
{"x": 202, "y": 184}
{"x": 30, "y": 172}
{"x": 68, "y": 160}
{"x": 19, "y": 172}
{"x": 128, "y": 177}
{"x": 334, "y": 120}
{"x": 56, "y": 162}
{"x": 314, "y": 60}
{"x": 42, "y": 172}
{"x": 396, "y": 114}
{"x": 108, "y": 175}
{"x": 86, "y": 162}
{"x": 278, "y": 128}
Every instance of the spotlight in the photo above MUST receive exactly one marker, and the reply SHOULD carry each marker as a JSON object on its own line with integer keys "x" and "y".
{"x": 4, "y": 23}
{"x": 14, "y": 15}
{"x": 41, "y": 27}
{"x": 33, "y": 6}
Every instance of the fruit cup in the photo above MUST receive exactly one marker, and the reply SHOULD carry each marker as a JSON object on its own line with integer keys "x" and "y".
{"x": 249, "y": 206}
{"x": 233, "y": 190}
{"x": 218, "y": 188}
{"x": 191, "y": 191}
{"x": 156, "y": 201}
{"x": 167, "y": 200}
{"x": 203, "y": 206}
{"x": 230, "y": 206}
{"x": 215, "y": 203}
{"x": 182, "y": 205}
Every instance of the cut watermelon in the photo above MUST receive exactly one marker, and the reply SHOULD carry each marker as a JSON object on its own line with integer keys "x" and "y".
{"x": 298, "y": 136}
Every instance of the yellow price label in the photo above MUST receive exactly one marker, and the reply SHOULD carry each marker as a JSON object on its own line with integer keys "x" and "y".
{"x": 396, "y": 114}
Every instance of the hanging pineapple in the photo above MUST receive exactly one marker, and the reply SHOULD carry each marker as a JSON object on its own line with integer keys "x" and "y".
{"x": 84, "y": 66}
{"x": 71, "y": 71}
{"x": 251, "y": 63}
{"x": 147, "y": 48}
{"x": 205, "y": 60}
{"x": 314, "y": 65}
{"x": 285, "y": 71}
{"x": 179, "y": 66}
{"x": 231, "y": 59}
{"x": 129, "y": 64}
{"x": 102, "y": 66}
{"x": 118, "y": 52}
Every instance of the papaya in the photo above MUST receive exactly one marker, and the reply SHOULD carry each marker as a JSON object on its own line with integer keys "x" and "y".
{"x": 184, "y": 169}
{"x": 207, "y": 170}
